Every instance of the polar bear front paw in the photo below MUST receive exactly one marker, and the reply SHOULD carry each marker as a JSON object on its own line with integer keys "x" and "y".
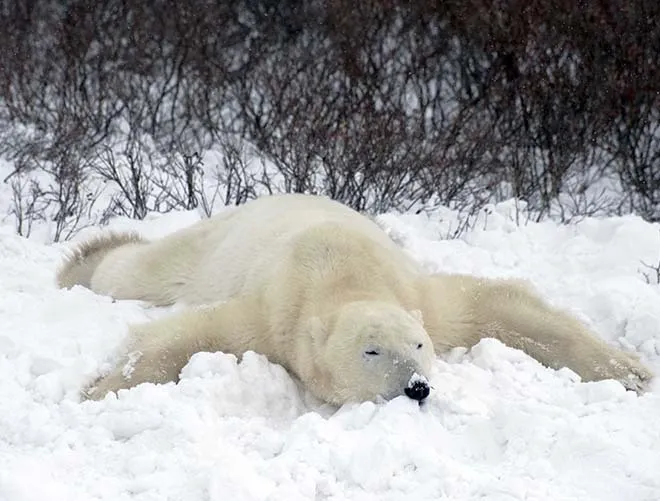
{"x": 611, "y": 363}
{"x": 637, "y": 379}
{"x": 630, "y": 373}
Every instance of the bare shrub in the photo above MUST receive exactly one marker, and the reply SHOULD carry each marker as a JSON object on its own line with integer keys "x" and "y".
{"x": 382, "y": 105}
{"x": 238, "y": 179}
{"x": 636, "y": 152}
{"x": 130, "y": 173}
{"x": 25, "y": 208}
{"x": 61, "y": 194}
{"x": 651, "y": 273}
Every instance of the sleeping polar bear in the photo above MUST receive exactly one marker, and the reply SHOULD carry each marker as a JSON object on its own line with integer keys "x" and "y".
{"x": 323, "y": 291}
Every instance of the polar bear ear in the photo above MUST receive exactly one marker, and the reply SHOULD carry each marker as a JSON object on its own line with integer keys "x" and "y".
{"x": 417, "y": 315}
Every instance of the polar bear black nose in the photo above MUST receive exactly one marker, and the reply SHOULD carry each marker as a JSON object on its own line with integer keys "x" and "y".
{"x": 418, "y": 390}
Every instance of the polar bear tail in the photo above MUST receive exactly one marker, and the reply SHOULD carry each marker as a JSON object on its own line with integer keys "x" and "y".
{"x": 80, "y": 265}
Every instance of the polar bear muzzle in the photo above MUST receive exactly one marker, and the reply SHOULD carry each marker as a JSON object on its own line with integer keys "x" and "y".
{"x": 418, "y": 388}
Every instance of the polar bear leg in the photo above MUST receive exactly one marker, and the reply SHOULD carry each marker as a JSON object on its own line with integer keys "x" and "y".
{"x": 157, "y": 351}
{"x": 463, "y": 309}
{"x": 79, "y": 267}
{"x": 513, "y": 314}
{"x": 557, "y": 340}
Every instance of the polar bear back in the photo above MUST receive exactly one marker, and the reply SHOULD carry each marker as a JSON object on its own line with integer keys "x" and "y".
{"x": 240, "y": 250}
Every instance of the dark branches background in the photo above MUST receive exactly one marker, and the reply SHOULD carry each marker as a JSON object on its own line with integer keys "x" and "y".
{"x": 380, "y": 104}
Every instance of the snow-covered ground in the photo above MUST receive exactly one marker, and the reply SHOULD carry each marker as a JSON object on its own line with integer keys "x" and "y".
{"x": 498, "y": 426}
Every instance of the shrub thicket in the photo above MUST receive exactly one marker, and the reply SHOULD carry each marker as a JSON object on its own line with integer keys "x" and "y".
{"x": 381, "y": 104}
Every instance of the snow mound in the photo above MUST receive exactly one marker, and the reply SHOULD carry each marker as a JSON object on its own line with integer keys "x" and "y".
{"x": 497, "y": 426}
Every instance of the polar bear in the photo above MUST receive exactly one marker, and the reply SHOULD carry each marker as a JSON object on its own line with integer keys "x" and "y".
{"x": 322, "y": 290}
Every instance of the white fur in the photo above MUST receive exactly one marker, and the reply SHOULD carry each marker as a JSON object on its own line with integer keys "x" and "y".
{"x": 315, "y": 286}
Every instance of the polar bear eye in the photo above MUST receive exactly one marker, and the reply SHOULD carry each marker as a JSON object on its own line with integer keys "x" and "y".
{"x": 371, "y": 353}
{"x": 420, "y": 346}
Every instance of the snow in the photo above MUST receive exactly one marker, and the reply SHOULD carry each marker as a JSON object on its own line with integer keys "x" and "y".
{"x": 497, "y": 425}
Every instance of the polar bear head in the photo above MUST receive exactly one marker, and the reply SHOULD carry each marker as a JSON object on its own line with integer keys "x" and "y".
{"x": 374, "y": 349}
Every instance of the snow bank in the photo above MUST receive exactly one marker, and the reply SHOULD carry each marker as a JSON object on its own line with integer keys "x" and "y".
{"x": 497, "y": 426}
